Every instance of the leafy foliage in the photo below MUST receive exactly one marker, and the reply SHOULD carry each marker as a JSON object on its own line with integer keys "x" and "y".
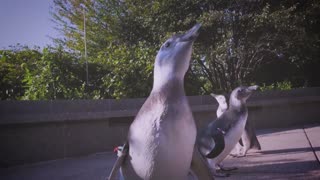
{"x": 12, "y": 70}
{"x": 57, "y": 76}
{"x": 237, "y": 38}
{"x": 241, "y": 42}
{"x": 285, "y": 85}
{"x": 129, "y": 71}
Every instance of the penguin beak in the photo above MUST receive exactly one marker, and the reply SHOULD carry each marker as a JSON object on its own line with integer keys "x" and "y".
{"x": 213, "y": 95}
{"x": 253, "y": 88}
{"x": 192, "y": 34}
{"x": 249, "y": 90}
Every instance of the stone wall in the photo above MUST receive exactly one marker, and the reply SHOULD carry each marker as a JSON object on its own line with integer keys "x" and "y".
{"x": 33, "y": 131}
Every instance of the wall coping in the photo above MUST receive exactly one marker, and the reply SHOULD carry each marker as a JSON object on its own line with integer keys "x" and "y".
{"x": 24, "y": 112}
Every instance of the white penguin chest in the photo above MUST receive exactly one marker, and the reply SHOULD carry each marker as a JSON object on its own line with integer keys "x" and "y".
{"x": 234, "y": 134}
{"x": 232, "y": 137}
{"x": 162, "y": 142}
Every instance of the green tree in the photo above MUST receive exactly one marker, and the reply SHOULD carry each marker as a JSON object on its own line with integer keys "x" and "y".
{"x": 237, "y": 41}
{"x": 130, "y": 70}
{"x": 12, "y": 70}
{"x": 57, "y": 75}
{"x": 125, "y": 68}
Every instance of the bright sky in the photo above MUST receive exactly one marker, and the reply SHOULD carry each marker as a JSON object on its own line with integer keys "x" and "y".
{"x": 27, "y": 22}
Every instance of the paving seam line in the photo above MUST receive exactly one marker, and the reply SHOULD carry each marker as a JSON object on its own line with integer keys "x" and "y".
{"x": 313, "y": 150}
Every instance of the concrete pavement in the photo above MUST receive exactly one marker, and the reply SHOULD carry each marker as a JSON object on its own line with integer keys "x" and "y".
{"x": 286, "y": 154}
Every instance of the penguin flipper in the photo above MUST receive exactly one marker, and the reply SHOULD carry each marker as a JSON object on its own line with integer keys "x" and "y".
{"x": 200, "y": 166}
{"x": 119, "y": 162}
{"x": 219, "y": 145}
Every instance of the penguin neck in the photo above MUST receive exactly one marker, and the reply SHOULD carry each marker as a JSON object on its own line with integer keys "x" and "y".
{"x": 237, "y": 105}
{"x": 166, "y": 76}
{"x": 168, "y": 85}
{"x": 223, "y": 106}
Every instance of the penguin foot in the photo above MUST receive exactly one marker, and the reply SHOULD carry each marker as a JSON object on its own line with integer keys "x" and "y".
{"x": 220, "y": 174}
{"x": 241, "y": 155}
{"x": 233, "y": 155}
{"x": 238, "y": 155}
{"x": 222, "y": 168}
{"x": 215, "y": 172}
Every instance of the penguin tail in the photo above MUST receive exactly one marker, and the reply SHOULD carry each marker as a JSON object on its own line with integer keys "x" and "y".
{"x": 255, "y": 144}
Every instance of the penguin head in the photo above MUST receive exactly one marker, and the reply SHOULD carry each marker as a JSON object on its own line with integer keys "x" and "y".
{"x": 173, "y": 58}
{"x": 241, "y": 94}
{"x": 220, "y": 98}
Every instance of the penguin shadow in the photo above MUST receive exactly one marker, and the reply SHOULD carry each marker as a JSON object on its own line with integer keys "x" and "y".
{"x": 266, "y": 132}
{"x": 257, "y": 153}
{"x": 273, "y": 168}
{"x": 278, "y": 170}
{"x": 292, "y": 150}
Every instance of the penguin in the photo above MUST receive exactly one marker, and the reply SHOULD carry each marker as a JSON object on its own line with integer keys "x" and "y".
{"x": 221, "y": 135}
{"x": 162, "y": 137}
{"x": 223, "y": 106}
{"x": 248, "y": 139}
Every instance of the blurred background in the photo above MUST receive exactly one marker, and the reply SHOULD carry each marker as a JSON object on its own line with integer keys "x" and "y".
{"x": 97, "y": 49}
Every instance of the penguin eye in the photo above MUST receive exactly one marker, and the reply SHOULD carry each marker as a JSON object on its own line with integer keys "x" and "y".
{"x": 167, "y": 44}
{"x": 240, "y": 90}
